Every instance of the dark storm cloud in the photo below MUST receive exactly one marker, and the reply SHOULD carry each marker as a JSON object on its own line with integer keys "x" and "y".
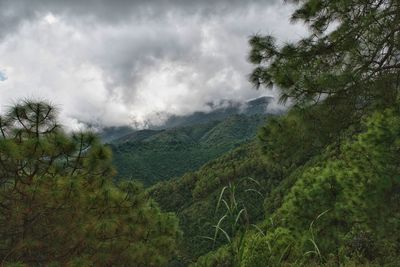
{"x": 13, "y": 12}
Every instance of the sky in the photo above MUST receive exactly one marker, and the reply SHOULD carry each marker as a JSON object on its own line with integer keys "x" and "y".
{"x": 113, "y": 63}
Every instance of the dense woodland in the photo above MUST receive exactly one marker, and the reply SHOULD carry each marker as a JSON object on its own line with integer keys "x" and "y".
{"x": 59, "y": 205}
{"x": 155, "y": 155}
{"x": 319, "y": 186}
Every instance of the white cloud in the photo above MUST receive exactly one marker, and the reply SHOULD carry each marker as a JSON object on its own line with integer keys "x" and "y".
{"x": 112, "y": 73}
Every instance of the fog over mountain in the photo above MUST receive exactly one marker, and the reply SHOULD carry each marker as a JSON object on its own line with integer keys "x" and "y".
{"x": 115, "y": 63}
{"x": 217, "y": 112}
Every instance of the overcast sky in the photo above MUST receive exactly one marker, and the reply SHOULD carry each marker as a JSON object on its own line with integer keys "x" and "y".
{"x": 115, "y": 62}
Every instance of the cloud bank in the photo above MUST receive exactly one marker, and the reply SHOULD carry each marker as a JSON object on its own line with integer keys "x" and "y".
{"x": 116, "y": 62}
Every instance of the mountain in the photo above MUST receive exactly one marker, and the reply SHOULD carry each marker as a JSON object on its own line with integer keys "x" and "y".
{"x": 155, "y": 155}
{"x": 220, "y": 111}
{"x": 109, "y": 134}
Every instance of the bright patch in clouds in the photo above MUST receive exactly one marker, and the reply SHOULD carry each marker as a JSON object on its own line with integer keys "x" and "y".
{"x": 50, "y": 18}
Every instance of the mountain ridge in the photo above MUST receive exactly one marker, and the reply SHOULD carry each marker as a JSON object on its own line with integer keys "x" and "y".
{"x": 219, "y": 111}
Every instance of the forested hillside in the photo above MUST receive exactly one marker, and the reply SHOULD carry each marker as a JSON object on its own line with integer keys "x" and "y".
{"x": 316, "y": 186}
{"x": 335, "y": 154}
{"x": 193, "y": 197}
{"x": 156, "y": 155}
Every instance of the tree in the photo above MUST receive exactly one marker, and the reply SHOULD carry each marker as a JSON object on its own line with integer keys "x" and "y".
{"x": 59, "y": 205}
{"x": 358, "y": 193}
{"x": 347, "y": 68}
{"x": 338, "y": 144}
{"x": 351, "y": 57}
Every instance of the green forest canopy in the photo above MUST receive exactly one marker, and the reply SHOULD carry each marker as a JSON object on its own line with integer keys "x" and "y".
{"x": 59, "y": 205}
{"x": 329, "y": 175}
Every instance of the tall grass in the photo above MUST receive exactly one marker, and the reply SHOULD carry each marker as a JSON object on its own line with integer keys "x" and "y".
{"x": 234, "y": 221}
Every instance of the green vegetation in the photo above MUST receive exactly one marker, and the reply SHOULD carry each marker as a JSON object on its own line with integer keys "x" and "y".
{"x": 154, "y": 155}
{"x": 330, "y": 178}
{"x": 59, "y": 206}
{"x": 193, "y": 197}
{"x": 337, "y": 148}
{"x": 356, "y": 189}
{"x": 320, "y": 186}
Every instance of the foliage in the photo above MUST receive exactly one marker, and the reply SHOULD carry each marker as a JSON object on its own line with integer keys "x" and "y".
{"x": 328, "y": 169}
{"x": 221, "y": 257}
{"x": 151, "y": 156}
{"x": 351, "y": 54}
{"x": 331, "y": 177}
{"x": 235, "y": 218}
{"x": 336, "y": 151}
{"x": 359, "y": 188}
{"x": 290, "y": 141}
{"x": 194, "y": 197}
{"x": 59, "y": 205}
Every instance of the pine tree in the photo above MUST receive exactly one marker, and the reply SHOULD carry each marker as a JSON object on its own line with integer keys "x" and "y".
{"x": 351, "y": 57}
{"x": 59, "y": 205}
{"x": 338, "y": 145}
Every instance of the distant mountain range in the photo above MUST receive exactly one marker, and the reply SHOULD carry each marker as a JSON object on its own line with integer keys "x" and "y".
{"x": 184, "y": 143}
{"x": 219, "y": 112}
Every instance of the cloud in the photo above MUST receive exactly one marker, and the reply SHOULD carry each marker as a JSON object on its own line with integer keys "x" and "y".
{"x": 115, "y": 62}
{"x": 14, "y": 12}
